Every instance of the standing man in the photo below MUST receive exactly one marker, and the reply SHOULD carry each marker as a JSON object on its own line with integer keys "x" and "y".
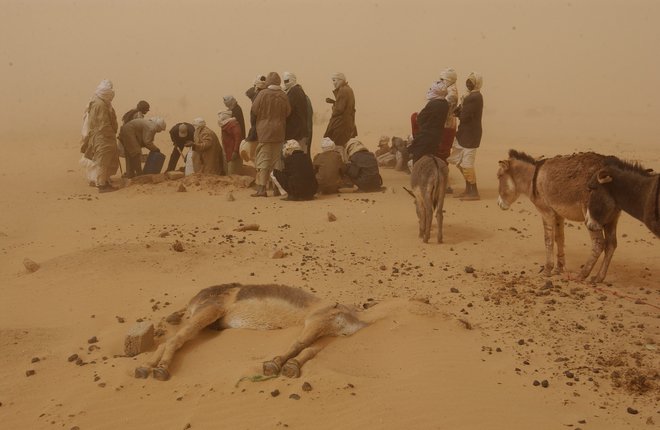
{"x": 138, "y": 112}
{"x": 448, "y": 77}
{"x": 468, "y": 136}
{"x": 231, "y": 141}
{"x": 138, "y": 134}
{"x": 99, "y": 129}
{"x": 297, "y": 122}
{"x": 236, "y": 112}
{"x": 270, "y": 108}
{"x": 341, "y": 127}
{"x": 180, "y": 134}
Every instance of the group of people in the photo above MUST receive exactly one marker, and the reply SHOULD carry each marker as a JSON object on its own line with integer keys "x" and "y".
{"x": 278, "y": 139}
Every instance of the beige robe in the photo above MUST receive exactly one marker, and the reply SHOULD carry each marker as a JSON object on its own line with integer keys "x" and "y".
{"x": 102, "y": 143}
{"x": 209, "y": 155}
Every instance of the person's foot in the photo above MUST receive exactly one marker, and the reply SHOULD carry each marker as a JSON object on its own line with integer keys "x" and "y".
{"x": 276, "y": 192}
{"x": 261, "y": 192}
{"x": 107, "y": 188}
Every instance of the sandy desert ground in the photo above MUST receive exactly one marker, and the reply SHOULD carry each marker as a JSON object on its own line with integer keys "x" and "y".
{"x": 471, "y": 336}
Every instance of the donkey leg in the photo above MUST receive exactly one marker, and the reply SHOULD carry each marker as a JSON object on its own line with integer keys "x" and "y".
{"x": 189, "y": 330}
{"x": 428, "y": 218}
{"x": 421, "y": 214}
{"x": 597, "y": 245}
{"x": 559, "y": 241}
{"x": 548, "y": 236}
{"x": 610, "y": 246}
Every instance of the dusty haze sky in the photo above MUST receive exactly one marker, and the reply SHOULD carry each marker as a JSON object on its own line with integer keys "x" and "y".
{"x": 586, "y": 71}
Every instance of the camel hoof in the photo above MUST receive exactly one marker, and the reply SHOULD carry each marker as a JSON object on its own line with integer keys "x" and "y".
{"x": 142, "y": 372}
{"x": 291, "y": 369}
{"x": 161, "y": 374}
{"x": 272, "y": 367}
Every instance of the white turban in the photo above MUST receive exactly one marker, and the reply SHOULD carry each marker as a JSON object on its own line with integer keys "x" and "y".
{"x": 353, "y": 146}
{"x": 449, "y": 76}
{"x": 339, "y": 76}
{"x": 230, "y": 101}
{"x": 224, "y": 116}
{"x": 288, "y": 80}
{"x": 160, "y": 123}
{"x": 104, "y": 91}
{"x": 437, "y": 91}
{"x": 476, "y": 79}
{"x": 290, "y": 146}
{"x": 260, "y": 82}
{"x": 199, "y": 122}
{"x": 327, "y": 144}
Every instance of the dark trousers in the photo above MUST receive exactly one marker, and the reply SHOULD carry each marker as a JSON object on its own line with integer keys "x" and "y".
{"x": 133, "y": 165}
{"x": 174, "y": 157}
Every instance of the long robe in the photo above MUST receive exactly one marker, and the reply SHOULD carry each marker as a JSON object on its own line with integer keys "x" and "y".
{"x": 342, "y": 127}
{"x": 102, "y": 143}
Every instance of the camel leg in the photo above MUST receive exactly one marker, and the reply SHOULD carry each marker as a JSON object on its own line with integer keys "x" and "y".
{"x": 559, "y": 241}
{"x": 161, "y": 359}
{"x": 291, "y": 369}
{"x": 610, "y": 246}
{"x": 597, "y": 245}
{"x": 329, "y": 321}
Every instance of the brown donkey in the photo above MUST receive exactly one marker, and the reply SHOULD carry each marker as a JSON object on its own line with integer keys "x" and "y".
{"x": 621, "y": 185}
{"x": 428, "y": 181}
{"x": 260, "y": 307}
{"x": 558, "y": 187}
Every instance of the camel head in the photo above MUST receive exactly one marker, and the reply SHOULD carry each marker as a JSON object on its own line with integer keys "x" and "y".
{"x": 508, "y": 193}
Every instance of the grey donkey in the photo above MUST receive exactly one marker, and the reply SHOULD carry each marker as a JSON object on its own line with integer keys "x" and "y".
{"x": 428, "y": 181}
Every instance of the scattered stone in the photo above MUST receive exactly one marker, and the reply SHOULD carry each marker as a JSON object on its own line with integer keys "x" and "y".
{"x": 466, "y": 323}
{"x": 187, "y": 426}
{"x": 383, "y": 267}
{"x": 35, "y": 359}
{"x": 469, "y": 269}
{"x": 177, "y": 246}
{"x": 275, "y": 393}
{"x": 230, "y": 197}
{"x": 32, "y": 372}
{"x": 158, "y": 178}
{"x": 181, "y": 189}
{"x": 120, "y": 320}
{"x": 174, "y": 175}
{"x": 75, "y": 428}
{"x": 72, "y": 358}
{"x": 164, "y": 234}
{"x": 536, "y": 383}
{"x": 294, "y": 396}
{"x": 521, "y": 341}
{"x": 306, "y": 386}
{"x": 142, "y": 179}
{"x": 453, "y": 290}
{"x": 279, "y": 254}
{"x": 545, "y": 383}
{"x": 248, "y": 227}
{"x": 30, "y": 265}
{"x": 331, "y": 217}
{"x": 93, "y": 339}
{"x": 632, "y": 411}
{"x": 139, "y": 338}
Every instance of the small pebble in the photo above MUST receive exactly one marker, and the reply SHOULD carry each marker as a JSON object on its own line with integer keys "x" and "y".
{"x": 72, "y": 357}
{"x": 632, "y": 411}
{"x": 453, "y": 290}
{"x": 177, "y": 246}
{"x": 545, "y": 383}
{"x": 92, "y": 339}
{"x": 469, "y": 269}
{"x": 30, "y": 265}
{"x": 331, "y": 217}
{"x": 306, "y": 386}
{"x": 32, "y": 372}
{"x": 275, "y": 393}
{"x": 294, "y": 396}
{"x": 35, "y": 359}
{"x": 536, "y": 383}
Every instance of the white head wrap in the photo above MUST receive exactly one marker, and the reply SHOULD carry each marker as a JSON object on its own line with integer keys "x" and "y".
{"x": 437, "y": 91}
{"x": 353, "y": 146}
{"x": 338, "y": 79}
{"x": 449, "y": 76}
{"x": 199, "y": 122}
{"x": 327, "y": 144}
{"x": 224, "y": 116}
{"x": 288, "y": 80}
{"x": 260, "y": 82}
{"x": 104, "y": 91}
{"x": 160, "y": 123}
{"x": 476, "y": 79}
{"x": 229, "y": 101}
{"x": 290, "y": 146}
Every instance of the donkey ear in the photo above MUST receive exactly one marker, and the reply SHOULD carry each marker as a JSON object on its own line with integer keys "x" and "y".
{"x": 603, "y": 177}
{"x": 504, "y": 164}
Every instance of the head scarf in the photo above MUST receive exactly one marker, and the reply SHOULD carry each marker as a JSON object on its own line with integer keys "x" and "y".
{"x": 260, "y": 82}
{"x": 273, "y": 79}
{"x": 449, "y": 76}
{"x": 224, "y": 117}
{"x": 476, "y": 79}
{"x": 160, "y": 123}
{"x": 198, "y": 122}
{"x": 105, "y": 91}
{"x": 229, "y": 101}
{"x": 327, "y": 144}
{"x": 354, "y": 146}
{"x": 338, "y": 79}
{"x": 143, "y": 106}
{"x": 290, "y": 146}
{"x": 290, "y": 80}
{"x": 437, "y": 91}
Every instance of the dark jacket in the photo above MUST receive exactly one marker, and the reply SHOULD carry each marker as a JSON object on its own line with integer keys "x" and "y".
{"x": 237, "y": 112}
{"x": 328, "y": 166}
{"x": 362, "y": 168}
{"x": 431, "y": 122}
{"x": 271, "y": 108}
{"x": 342, "y": 122}
{"x": 181, "y": 141}
{"x": 296, "y": 122}
{"x": 469, "y": 127}
{"x": 297, "y": 178}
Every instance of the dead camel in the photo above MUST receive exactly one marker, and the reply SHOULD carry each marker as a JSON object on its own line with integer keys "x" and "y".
{"x": 428, "y": 181}
{"x": 259, "y": 307}
{"x": 628, "y": 186}
{"x": 558, "y": 187}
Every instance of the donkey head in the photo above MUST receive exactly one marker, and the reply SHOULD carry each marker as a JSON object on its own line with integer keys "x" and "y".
{"x": 600, "y": 204}
{"x": 508, "y": 193}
